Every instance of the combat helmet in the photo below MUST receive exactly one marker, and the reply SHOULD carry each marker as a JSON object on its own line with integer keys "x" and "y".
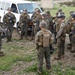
{"x": 37, "y": 10}
{"x": 61, "y": 15}
{"x": 73, "y": 16}
{"x": 71, "y": 12}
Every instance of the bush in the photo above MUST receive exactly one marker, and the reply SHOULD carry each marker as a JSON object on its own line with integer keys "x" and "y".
{"x": 68, "y": 3}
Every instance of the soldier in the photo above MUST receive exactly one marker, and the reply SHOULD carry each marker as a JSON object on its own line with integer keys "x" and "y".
{"x": 72, "y": 33}
{"x": 24, "y": 20}
{"x": 61, "y": 36}
{"x": 56, "y": 24}
{"x": 69, "y": 22}
{"x": 1, "y": 31}
{"x": 49, "y": 17}
{"x": 45, "y": 18}
{"x": 43, "y": 41}
{"x": 36, "y": 18}
{"x": 70, "y": 17}
{"x": 2, "y": 25}
{"x": 9, "y": 20}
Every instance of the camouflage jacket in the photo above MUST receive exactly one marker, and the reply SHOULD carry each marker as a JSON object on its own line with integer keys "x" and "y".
{"x": 9, "y": 18}
{"x": 61, "y": 31}
{"x": 36, "y": 17}
{"x": 24, "y": 18}
{"x": 43, "y": 38}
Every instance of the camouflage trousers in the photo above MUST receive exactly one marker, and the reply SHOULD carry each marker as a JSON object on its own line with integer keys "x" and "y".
{"x": 24, "y": 30}
{"x": 9, "y": 32}
{"x": 70, "y": 38}
{"x": 36, "y": 29}
{"x": 61, "y": 47}
{"x": 0, "y": 42}
{"x": 43, "y": 52}
{"x": 73, "y": 43}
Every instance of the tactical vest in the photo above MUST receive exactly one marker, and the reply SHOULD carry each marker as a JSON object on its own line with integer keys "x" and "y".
{"x": 44, "y": 39}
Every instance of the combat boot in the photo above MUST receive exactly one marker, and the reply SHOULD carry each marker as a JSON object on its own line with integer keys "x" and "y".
{"x": 69, "y": 46}
{"x": 20, "y": 38}
{"x": 1, "y": 54}
{"x": 73, "y": 51}
{"x": 73, "y": 55}
{"x": 8, "y": 41}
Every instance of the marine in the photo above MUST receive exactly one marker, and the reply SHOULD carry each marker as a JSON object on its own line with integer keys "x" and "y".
{"x": 43, "y": 39}
{"x": 50, "y": 18}
{"x": 36, "y": 19}
{"x": 45, "y": 18}
{"x": 9, "y": 20}
{"x": 69, "y": 25}
{"x": 24, "y": 20}
{"x": 61, "y": 34}
{"x": 1, "y": 32}
{"x": 72, "y": 33}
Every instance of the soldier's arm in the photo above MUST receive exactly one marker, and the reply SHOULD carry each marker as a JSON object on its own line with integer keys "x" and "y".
{"x": 14, "y": 18}
{"x": 50, "y": 38}
{"x": 36, "y": 40}
{"x": 60, "y": 31}
{"x": 2, "y": 30}
{"x": 40, "y": 17}
{"x": 5, "y": 18}
{"x": 20, "y": 20}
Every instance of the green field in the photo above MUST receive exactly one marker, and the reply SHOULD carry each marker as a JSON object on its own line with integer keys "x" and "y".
{"x": 66, "y": 9}
{"x": 21, "y": 57}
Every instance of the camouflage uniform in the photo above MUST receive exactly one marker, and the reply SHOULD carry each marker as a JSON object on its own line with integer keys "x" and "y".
{"x": 44, "y": 18}
{"x": 73, "y": 38}
{"x": 56, "y": 24}
{"x": 1, "y": 31}
{"x": 36, "y": 18}
{"x": 9, "y": 20}
{"x": 72, "y": 34}
{"x": 61, "y": 38}
{"x": 24, "y": 20}
{"x": 69, "y": 25}
{"x": 49, "y": 17}
{"x": 43, "y": 41}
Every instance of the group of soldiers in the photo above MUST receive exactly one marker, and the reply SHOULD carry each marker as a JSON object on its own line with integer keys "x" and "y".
{"x": 44, "y": 26}
{"x": 58, "y": 26}
{"x": 6, "y": 27}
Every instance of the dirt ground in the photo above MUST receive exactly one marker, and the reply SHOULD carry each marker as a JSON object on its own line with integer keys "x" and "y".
{"x": 67, "y": 60}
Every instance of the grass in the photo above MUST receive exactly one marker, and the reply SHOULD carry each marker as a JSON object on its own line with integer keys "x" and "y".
{"x": 66, "y": 9}
{"x": 56, "y": 70}
{"x": 14, "y": 52}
